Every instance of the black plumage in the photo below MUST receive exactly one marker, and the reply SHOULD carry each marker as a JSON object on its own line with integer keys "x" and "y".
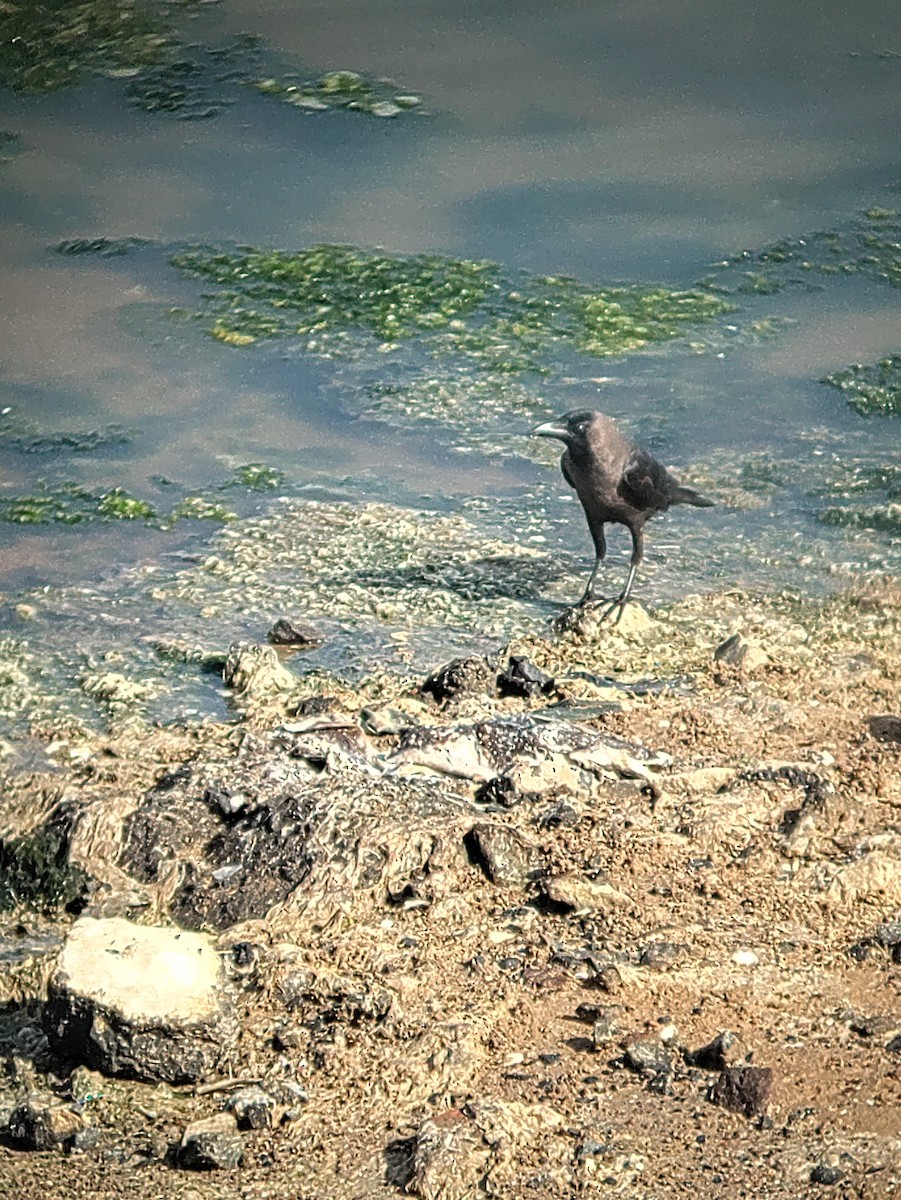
{"x": 616, "y": 481}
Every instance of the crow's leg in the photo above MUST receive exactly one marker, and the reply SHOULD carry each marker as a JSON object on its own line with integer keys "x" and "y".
{"x": 623, "y": 598}
{"x": 600, "y": 549}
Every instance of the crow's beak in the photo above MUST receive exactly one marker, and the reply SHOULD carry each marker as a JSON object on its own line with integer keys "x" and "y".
{"x": 551, "y": 429}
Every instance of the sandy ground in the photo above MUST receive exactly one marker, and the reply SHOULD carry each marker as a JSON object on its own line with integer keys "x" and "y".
{"x": 469, "y": 1035}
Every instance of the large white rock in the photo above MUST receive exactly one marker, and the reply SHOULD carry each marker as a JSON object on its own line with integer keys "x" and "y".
{"x": 142, "y": 1001}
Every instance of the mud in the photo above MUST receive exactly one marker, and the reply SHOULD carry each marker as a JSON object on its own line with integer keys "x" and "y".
{"x": 679, "y": 977}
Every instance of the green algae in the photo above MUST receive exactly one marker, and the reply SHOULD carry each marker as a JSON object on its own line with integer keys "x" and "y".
{"x": 20, "y": 434}
{"x": 340, "y": 89}
{"x": 456, "y": 307}
{"x": 104, "y": 247}
{"x": 55, "y": 44}
{"x": 117, "y": 505}
{"x": 273, "y": 293}
{"x": 868, "y": 246}
{"x": 50, "y": 45}
{"x": 255, "y": 477}
{"x": 71, "y": 504}
{"x": 52, "y": 504}
{"x": 880, "y": 518}
{"x": 201, "y": 508}
{"x": 873, "y": 390}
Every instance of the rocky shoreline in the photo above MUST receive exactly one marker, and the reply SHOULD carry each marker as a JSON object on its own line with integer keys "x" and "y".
{"x": 616, "y": 911}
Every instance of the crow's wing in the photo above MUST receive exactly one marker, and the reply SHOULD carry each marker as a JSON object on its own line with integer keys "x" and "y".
{"x": 645, "y": 484}
{"x": 567, "y": 474}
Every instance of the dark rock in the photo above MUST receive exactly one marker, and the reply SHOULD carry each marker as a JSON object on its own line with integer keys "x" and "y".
{"x": 246, "y": 867}
{"x": 885, "y": 728}
{"x": 35, "y": 869}
{"x": 456, "y": 677}
{"x": 823, "y": 1173}
{"x": 211, "y": 1144}
{"x": 716, "y": 1055}
{"x": 524, "y": 679}
{"x": 245, "y": 957}
{"x": 648, "y": 1058}
{"x": 508, "y": 858}
{"x": 889, "y": 933}
{"x": 500, "y": 790}
{"x": 660, "y": 955}
{"x": 743, "y": 1089}
{"x": 251, "y": 1107}
{"x": 167, "y": 827}
{"x": 739, "y": 652}
{"x": 41, "y": 1122}
{"x": 561, "y": 816}
{"x": 293, "y": 633}
{"x": 881, "y": 1028}
{"x": 288, "y": 1037}
{"x": 227, "y": 802}
{"x": 654, "y": 1063}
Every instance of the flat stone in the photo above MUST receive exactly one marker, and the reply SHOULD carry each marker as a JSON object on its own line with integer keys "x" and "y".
{"x": 875, "y": 877}
{"x": 588, "y": 621}
{"x": 582, "y": 894}
{"x": 509, "y": 859}
{"x": 555, "y": 773}
{"x": 211, "y": 1144}
{"x": 738, "y": 651}
{"x": 140, "y": 1001}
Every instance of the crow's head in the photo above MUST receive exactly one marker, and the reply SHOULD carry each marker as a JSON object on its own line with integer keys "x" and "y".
{"x": 572, "y": 428}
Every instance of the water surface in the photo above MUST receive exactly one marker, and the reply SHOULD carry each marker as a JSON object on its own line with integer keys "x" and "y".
{"x": 625, "y": 143}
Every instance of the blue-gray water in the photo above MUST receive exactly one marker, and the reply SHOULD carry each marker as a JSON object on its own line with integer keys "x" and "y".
{"x": 623, "y": 142}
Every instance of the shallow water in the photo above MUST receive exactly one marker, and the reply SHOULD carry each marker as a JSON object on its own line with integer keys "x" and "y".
{"x": 634, "y": 144}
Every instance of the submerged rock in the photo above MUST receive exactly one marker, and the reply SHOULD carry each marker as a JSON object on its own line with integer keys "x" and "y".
{"x": 255, "y": 673}
{"x": 141, "y": 1001}
{"x": 293, "y": 633}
